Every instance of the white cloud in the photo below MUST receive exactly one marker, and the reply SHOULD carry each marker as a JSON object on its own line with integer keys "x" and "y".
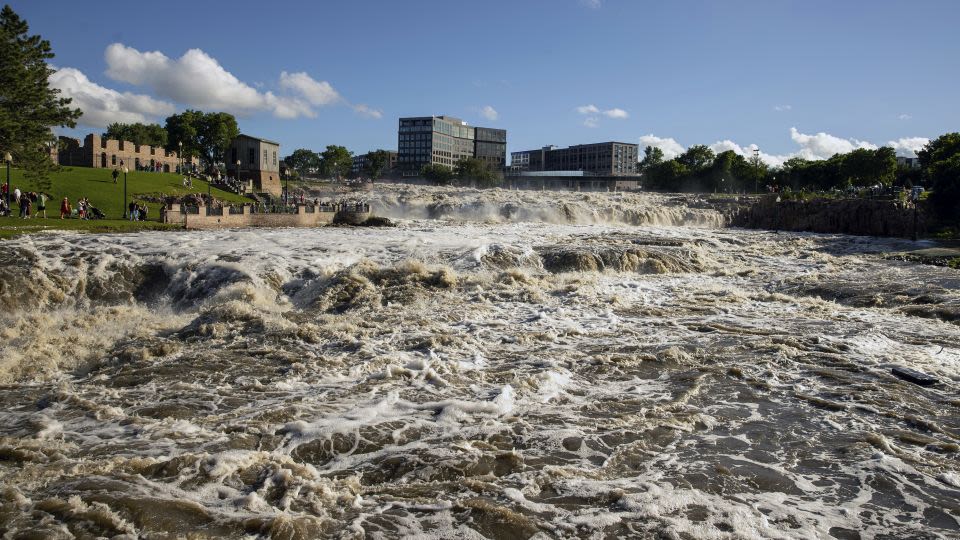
{"x": 671, "y": 148}
{"x": 489, "y": 113}
{"x": 196, "y": 79}
{"x": 590, "y": 122}
{"x": 747, "y": 152}
{"x": 369, "y": 112}
{"x": 616, "y": 113}
{"x": 588, "y": 109}
{"x": 592, "y": 4}
{"x": 102, "y": 106}
{"x": 782, "y": 108}
{"x": 908, "y": 146}
{"x": 823, "y": 145}
{"x": 904, "y": 116}
{"x": 315, "y": 92}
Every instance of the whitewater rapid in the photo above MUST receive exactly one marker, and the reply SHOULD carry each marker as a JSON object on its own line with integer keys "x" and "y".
{"x": 498, "y": 365}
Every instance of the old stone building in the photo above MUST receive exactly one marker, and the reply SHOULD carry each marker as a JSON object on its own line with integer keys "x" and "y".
{"x": 258, "y": 161}
{"x": 100, "y": 152}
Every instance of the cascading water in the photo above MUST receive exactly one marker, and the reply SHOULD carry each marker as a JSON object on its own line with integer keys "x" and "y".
{"x": 500, "y": 364}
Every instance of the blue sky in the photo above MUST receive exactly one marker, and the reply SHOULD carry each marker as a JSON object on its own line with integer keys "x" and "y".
{"x": 796, "y": 78}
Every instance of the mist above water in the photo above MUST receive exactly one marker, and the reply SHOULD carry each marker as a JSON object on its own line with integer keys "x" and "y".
{"x": 500, "y": 364}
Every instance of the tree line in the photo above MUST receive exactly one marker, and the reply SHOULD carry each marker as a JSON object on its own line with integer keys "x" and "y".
{"x": 699, "y": 169}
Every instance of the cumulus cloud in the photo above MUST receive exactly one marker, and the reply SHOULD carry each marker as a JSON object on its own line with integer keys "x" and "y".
{"x": 782, "y": 108}
{"x": 102, "y": 106}
{"x": 904, "y": 116}
{"x": 747, "y": 152}
{"x": 314, "y": 92}
{"x": 592, "y": 4}
{"x": 908, "y": 146}
{"x": 198, "y": 80}
{"x": 671, "y": 148}
{"x": 489, "y": 113}
{"x": 591, "y": 111}
{"x": 823, "y": 145}
{"x": 369, "y": 112}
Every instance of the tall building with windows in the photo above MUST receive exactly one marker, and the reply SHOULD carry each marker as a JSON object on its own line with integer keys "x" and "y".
{"x": 444, "y": 140}
{"x": 604, "y": 159}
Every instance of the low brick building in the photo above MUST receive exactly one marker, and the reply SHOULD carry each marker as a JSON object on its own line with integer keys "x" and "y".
{"x": 99, "y": 152}
{"x": 258, "y": 162}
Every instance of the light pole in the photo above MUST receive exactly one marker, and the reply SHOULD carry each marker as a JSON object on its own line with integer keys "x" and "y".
{"x": 125, "y": 170}
{"x": 756, "y": 162}
{"x": 8, "y": 159}
{"x": 238, "y": 174}
{"x": 180, "y": 156}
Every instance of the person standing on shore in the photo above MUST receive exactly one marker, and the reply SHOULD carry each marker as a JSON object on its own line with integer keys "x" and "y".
{"x": 42, "y": 204}
{"x": 65, "y": 208}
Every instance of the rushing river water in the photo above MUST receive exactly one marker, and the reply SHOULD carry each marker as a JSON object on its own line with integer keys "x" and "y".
{"x": 499, "y": 365}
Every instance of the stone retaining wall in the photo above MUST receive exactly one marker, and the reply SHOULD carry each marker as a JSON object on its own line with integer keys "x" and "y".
{"x": 305, "y": 216}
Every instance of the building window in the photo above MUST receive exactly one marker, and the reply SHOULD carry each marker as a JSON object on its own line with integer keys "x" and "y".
{"x": 113, "y": 159}
{"x": 265, "y": 162}
{"x": 274, "y": 157}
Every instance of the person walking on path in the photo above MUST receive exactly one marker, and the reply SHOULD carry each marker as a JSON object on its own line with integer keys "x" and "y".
{"x": 42, "y": 204}
{"x": 65, "y": 208}
{"x": 115, "y": 174}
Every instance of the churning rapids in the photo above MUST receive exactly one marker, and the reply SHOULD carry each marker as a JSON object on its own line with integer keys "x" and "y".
{"x": 500, "y": 365}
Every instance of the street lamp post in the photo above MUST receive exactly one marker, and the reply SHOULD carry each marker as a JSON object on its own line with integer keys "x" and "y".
{"x": 238, "y": 174}
{"x": 180, "y": 156}
{"x": 756, "y": 162}
{"x": 8, "y": 159}
{"x": 125, "y": 170}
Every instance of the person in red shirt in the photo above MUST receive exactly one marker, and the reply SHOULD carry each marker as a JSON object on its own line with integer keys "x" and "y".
{"x": 65, "y": 208}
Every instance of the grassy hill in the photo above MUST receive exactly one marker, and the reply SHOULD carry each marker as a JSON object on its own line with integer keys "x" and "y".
{"x": 98, "y": 186}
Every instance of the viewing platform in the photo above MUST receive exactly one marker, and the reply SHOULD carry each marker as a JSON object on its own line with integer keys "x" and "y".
{"x": 248, "y": 215}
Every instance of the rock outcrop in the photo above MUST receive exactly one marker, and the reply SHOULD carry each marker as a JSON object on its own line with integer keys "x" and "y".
{"x": 868, "y": 217}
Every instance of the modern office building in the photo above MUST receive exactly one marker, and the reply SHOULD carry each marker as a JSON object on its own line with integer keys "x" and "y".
{"x": 490, "y": 146}
{"x": 605, "y": 159}
{"x": 444, "y": 140}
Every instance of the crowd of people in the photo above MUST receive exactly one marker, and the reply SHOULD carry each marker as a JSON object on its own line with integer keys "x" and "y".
{"x": 29, "y": 203}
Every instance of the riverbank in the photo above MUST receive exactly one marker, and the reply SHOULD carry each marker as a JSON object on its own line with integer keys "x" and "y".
{"x": 12, "y": 227}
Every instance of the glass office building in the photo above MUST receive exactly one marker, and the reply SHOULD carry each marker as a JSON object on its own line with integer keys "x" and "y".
{"x": 444, "y": 140}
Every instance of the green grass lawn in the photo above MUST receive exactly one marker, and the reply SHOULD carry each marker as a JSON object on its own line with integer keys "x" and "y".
{"x": 98, "y": 186}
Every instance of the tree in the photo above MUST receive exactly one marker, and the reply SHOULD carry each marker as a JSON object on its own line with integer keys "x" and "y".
{"x": 204, "y": 135}
{"x": 864, "y": 167}
{"x": 29, "y": 108}
{"x": 336, "y": 161}
{"x": 439, "y": 174}
{"x": 666, "y": 176}
{"x": 149, "y": 134}
{"x": 303, "y": 161}
{"x": 377, "y": 162}
{"x": 475, "y": 170}
{"x": 652, "y": 156}
{"x": 940, "y": 162}
{"x": 696, "y": 159}
{"x": 940, "y": 149}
